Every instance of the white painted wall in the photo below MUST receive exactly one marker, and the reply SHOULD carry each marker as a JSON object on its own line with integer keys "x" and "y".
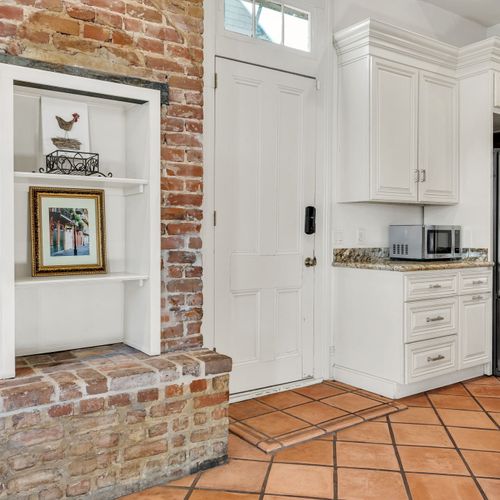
{"x": 414, "y": 15}
{"x": 494, "y": 30}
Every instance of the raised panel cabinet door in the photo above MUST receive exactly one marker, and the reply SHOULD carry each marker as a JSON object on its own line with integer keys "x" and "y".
{"x": 475, "y": 329}
{"x": 394, "y": 128}
{"x": 438, "y": 139}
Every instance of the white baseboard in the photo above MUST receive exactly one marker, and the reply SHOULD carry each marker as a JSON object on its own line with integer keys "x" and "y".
{"x": 257, "y": 393}
{"x": 393, "y": 390}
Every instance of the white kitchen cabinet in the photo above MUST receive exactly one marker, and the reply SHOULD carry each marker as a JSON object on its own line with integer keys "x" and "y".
{"x": 398, "y": 120}
{"x": 419, "y": 330}
{"x": 475, "y": 321}
{"x": 497, "y": 89}
{"x": 438, "y": 139}
{"x": 393, "y": 130}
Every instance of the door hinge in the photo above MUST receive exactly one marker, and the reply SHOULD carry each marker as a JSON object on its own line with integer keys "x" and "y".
{"x": 215, "y": 218}
{"x": 215, "y": 80}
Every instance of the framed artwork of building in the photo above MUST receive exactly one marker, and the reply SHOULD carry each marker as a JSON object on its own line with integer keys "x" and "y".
{"x": 67, "y": 231}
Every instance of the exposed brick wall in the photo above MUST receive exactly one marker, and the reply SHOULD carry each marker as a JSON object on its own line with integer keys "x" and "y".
{"x": 152, "y": 39}
{"x": 107, "y": 421}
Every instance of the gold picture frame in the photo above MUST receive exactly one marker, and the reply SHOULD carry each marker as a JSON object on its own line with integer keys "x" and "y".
{"x": 68, "y": 231}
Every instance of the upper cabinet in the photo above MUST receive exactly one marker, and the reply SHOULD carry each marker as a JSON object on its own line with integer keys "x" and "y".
{"x": 398, "y": 117}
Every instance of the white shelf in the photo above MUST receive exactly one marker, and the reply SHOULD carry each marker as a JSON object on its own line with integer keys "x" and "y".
{"x": 128, "y": 185}
{"x": 84, "y": 278}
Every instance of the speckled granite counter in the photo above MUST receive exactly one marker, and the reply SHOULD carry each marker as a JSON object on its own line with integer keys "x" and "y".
{"x": 378, "y": 259}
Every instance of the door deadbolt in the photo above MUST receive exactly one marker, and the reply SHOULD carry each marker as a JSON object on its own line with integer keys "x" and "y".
{"x": 310, "y": 261}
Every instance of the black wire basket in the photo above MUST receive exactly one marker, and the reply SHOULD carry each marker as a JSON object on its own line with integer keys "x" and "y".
{"x": 67, "y": 162}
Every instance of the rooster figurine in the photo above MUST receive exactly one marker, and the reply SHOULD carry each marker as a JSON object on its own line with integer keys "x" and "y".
{"x": 67, "y": 125}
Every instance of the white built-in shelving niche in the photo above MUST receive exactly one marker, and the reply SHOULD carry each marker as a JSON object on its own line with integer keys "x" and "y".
{"x": 46, "y": 314}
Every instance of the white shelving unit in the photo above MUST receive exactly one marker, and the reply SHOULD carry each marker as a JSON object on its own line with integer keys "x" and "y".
{"x": 46, "y": 314}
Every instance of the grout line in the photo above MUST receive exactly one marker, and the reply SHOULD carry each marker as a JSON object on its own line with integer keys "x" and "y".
{"x": 400, "y": 463}
{"x": 481, "y": 406}
{"x": 335, "y": 468}
{"x": 266, "y": 478}
{"x": 193, "y": 485}
{"x": 458, "y": 450}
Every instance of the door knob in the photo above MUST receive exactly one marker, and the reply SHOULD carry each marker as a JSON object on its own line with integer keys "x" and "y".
{"x": 310, "y": 261}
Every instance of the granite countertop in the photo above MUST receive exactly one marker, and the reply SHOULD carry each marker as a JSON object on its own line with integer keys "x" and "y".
{"x": 378, "y": 259}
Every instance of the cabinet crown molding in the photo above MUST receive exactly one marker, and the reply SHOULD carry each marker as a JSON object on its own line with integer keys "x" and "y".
{"x": 484, "y": 54}
{"x": 370, "y": 37}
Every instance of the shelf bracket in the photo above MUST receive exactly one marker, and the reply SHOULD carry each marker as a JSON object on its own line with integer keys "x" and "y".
{"x": 135, "y": 190}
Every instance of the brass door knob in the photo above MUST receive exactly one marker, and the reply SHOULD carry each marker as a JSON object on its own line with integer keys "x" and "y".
{"x": 310, "y": 261}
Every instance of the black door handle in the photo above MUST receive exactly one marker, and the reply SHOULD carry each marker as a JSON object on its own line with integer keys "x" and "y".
{"x": 310, "y": 220}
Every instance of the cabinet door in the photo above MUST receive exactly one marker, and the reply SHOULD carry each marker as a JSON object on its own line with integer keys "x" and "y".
{"x": 394, "y": 122}
{"x": 438, "y": 139}
{"x": 475, "y": 329}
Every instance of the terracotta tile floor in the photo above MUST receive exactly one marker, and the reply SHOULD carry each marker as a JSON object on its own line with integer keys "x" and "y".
{"x": 446, "y": 446}
{"x": 289, "y": 418}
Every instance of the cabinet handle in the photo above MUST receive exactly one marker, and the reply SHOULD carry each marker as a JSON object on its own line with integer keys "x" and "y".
{"x": 435, "y": 286}
{"x": 417, "y": 175}
{"x": 478, "y": 282}
{"x": 477, "y": 297}
{"x": 431, "y": 359}
{"x": 424, "y": 175}
{"x": 436, "y": 318}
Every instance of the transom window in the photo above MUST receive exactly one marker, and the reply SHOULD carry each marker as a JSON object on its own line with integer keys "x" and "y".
{"x": 271, "y": 21}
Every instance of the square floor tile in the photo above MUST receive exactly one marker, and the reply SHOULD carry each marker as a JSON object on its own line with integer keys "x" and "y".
{"x": 489, "y": 391}
{"x": 495, "y": 417}
{"x": 484, "y": 380}
{"x": 315, "y": 452}
{"x": 466, "y": 418}
{"x": 351, "y": 402}
{"x": 491, "y": 488}
{"x": 238, "y": 448}
{"x": 434, "y": 487}
{"x": 490, "y": 404}
{"x": 282, "y": 400}
{"x": 300, "y": 480}
{"x": 319, "y": 391}
{"x": 432, "y": 460}
{"x": 367, "y": 432}
{"x": 422, "y": 435}
{"x": 237, "y": 475}
{"x": 453, "y": 402}
{"x": 483, "y": 463}
{"x": 416, "y": 415}
{"x": 183, "y": 481}
{"x": 366, "y": 455}
{"x": 416, "y": 400}
{"x": 476, "y": 439}
{"x": 355, "y": 484}
{"x": 248, "y": 409}
{"x": 276, "y": 424}
{"x": 315, "y": 412}
{"x": 221, "y": 495}
{"x": 454, "y": 390}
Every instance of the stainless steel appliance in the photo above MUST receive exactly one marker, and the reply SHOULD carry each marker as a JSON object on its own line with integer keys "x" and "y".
{"x": 419, "y": 242}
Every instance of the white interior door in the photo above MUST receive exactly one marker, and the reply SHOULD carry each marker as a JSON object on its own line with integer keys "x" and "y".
{"x": 264, "y": 179}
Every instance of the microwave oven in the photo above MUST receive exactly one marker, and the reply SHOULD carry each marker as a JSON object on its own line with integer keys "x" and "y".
{"x": 421, "y": 242}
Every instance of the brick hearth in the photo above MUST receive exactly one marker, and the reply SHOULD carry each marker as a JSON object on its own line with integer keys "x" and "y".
{"x": 110, "y": 420}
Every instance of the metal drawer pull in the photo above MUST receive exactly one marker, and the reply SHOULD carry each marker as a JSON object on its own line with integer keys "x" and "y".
{"x": 435, "y": 286}
{"x": 479, "y": 282}
{"x": 436, "y": 318}
{"x": 439, "y": 357}
{"x": 477, "y": 297}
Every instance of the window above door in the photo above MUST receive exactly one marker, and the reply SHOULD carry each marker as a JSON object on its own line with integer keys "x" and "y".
{"x": 271, "y": 21}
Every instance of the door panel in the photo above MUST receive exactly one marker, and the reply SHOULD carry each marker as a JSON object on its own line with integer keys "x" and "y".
{"x": 394, "y": 131}
{"x": 438, "y": 148}
{"x": 264, "y": 179}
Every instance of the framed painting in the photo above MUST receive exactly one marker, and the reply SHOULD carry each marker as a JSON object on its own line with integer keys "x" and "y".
{"x": 67, "y": 231}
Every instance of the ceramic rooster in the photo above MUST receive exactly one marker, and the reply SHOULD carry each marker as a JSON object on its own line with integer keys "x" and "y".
{"x": 67, "y": 125}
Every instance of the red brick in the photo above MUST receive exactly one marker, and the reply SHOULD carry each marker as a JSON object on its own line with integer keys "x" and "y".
{"x": 119, "y": 400}
{"x": 11, "y": 12}
{"x": 27, "y": 396}
{"x": 150, "y": 45}
{"x": 122, "y": 38}
{"x": 147, "y": 395}
{"x": 146, "y": 450}
{"x": 91, "y": 405}
{"x": 165, "y": 33}
{"x": 212, "y": 400}
{"x": 145, "y": 13}
{"x": 96, "y": 32}
{"x": 185, "y": 285}
{"x": 7, "y": 29}
{"x": 61, "y": 410}
{"x": 198, "y": 385}
{"x": 81, "y": 13}
{"x": 114, "y": 5}
{"x": 183, "y": 227}
{"x": 174, "y": 390}
{"x": 56, "y": 23}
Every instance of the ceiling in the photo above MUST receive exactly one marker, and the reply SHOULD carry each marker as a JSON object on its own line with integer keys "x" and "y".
{"x": 485, "y": 12}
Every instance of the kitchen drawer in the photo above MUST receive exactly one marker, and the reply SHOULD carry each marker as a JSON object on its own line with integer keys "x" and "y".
{"x": 430, "y": 358}
{"x": 422, "y": 285}
{"x": 428, "y": 319}
{"x": 475, "y": 280}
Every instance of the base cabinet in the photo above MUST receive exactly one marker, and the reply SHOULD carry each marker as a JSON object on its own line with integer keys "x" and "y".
{"x": 475, "y": 329}
{"x": 418, "y": 331}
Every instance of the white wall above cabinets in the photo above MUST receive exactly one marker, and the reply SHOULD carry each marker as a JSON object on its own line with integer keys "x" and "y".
{"x": 419, "y": 330}
{"x": 398, "y": 117}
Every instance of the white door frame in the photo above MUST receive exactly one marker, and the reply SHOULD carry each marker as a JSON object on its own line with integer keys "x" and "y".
{"x": 321, "y": 68}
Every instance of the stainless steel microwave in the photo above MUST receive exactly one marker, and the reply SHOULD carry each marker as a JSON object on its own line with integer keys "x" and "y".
{"x": 418, "y": 242}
